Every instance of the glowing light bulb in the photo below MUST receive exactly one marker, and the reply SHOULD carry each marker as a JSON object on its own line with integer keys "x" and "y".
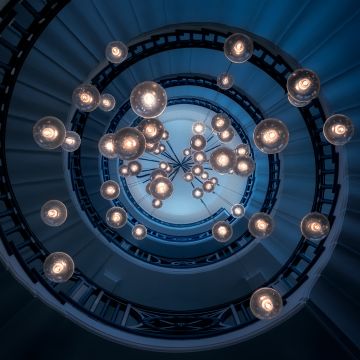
{"x": 106, "y": 146}
{"x": 165, "y": 135}
{"x": 156, "y": 203}
{"x": 158, "y": 173}
{"x": 107, "y": 102}
{"x": 222, "y": 231}
{"x": 197, "y": 193}
{"x": 116, "y": 52}
{"x": 199, "y": 157}
{"x": 116, "y": 217}
{"x": 244, "y": 166}
{"x": 208, "y": 186}
{"x": 242, "y": 150}
{"x": 315, "y": 226}
{"x": 110, "y": 190}
{"x": 188, "y": 176}
{"x": 161, "y": 188}
{"x": 139, "y": 232}
{"x": 86, "y": 97}
{"x": 260, "y": 225}
{"x": 186, "y": 152}
{"x": 303, "y": 85}
{"x": 237, "y": 210}
{"x": 197, "y": 170}
{"x": 204, "y": 175}
{"x": 214, "y": 180}
{"x": 129, "y": 143}
{"x": 152, "y": 129}
{"x": 220, "y": 122}
{"x": 198, "y": 142}
{"x": 148, "y": 99}
{"x": 198, "y": 128}
{"x": 71, "y": 142}
{"x": 53, "y": 213}
{"x": 163, "y": 165}
{"x": 338, "y": 129}
{"x": 266, "y": 303}
{"x": 124, "y": 170}
{"x": 222, "y": 159}
{"x": 134, "y": 168}
{"x": 49, "y": 132}
{"x": 238, "y": 48}
{"x": 226, "y": 135}
{"x": 225, "y": 81}
{"x": 271, "y": 136}
{"x": 58, "y": 267}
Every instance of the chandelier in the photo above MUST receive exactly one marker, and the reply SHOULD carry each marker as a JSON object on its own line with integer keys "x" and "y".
{"x": 204, "y": 167}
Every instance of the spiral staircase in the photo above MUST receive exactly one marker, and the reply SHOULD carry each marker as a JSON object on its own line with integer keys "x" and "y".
{"x": 125, "y": 291}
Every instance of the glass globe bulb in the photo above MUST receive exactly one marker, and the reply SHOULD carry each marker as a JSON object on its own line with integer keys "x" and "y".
{"x": 222, "y": 231}
{"x": 199, "y": 157}
{"x": 53, "y": 213}
{"x": 244, "y": 166}
{"x": 315, "y": 226}
{"x": 134, "y": 168}
{"x": 261, "y": 225}
{"x": 149, "y": 147}
{"x": 197, "y": 170}
{"x": 220, "y": 122}
{"x": 204, "y": 175}
{"x": 157, "y": 150}
{"x": 129, "y": 143}
{"x": 208, "y": 186}
{"x": 266, "y": 303}
{"x": 188, "y": 176}
{"x": 49, "y": 132}
{"x": 148, "y": 99}
{"x": 165, "y": 136}
{"x": 161, "y": 188}
{"x": 214, "y": 180}
{"x": 197, "y": 193}
{"x": 238, "y": 48}
{"x": 222, "y": 159}
{"x": 71, "y": 142}
{"x": 124, "y": 170}
{"x": 158, "y": 173}
{"x": 116, "y": 52}
{"x": 237, "y": 210}
{"x": 106, "y": 146}
{"x": 58, "y": 267}
{"x": 338, "y": 129}
{"x": 186, "y": 152}
{"x": 225, "y": 81}
{"x": 198, "y": 128}
{"x": 152, "y": 129}
{"x": 226, "y": 135}
{"x": 303, "y": 85}
{"x": 107, "y": 102}
{"x": 139, "y": 232}
{"x": 242, "y": 150}
{"x": 156, "y": 203}
{"x": 163, "y": 165}
{"x": 86, "y": 97}
{"x": 271, "y": 136}
{"x": 162, "y": 148}
{"x": 198, "y": 142}
{"x": 110, "y": 190}
{"x": 169, "y": 169}
{"x": 116, "y": 217}
{"x": 297, "y": 103}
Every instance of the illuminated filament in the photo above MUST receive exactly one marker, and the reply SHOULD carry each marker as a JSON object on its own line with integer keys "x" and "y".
{"x": 149, "y": 100}
{"x": 339, "y": 129}
{"x": 270, "y": 136}
{"x": 266, "y": 303}
{"x": 222, "y": 230}
{"x": 115, "y": 51}
{"x": 53, "y": 213}
{"x": 238, "y": 47}
{"x": 303, "y": 84}
{"x": 116, "y": 217}
{"x": 49, "y": 133}
{"x": 86, "y": 98}
{"x": 315, "y": 227}
{"x": 110, "y": 190}
{"x": 223, "y": 160}
{"x": 59, "y": 267}
{"x": 261, "y": 225}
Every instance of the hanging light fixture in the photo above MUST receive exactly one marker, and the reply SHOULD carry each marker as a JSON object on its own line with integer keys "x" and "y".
{"x": 197, "y": 170}
{"x": 242, "y": 150}
{"x": 238, "y": 48}
{"x": 222, "y": 159}
{"x": 208, "y": 186}
{"x": 220, "y": 122}
{"x": 139, "y": 232}
{"x": 53, "y": 213}
{"x": 107, "y": 102}
{"x": 71, "y": 142}
{"x": 106, "y": 146}
{"x": 271, "y": 136}
{"x": 129, "y": 143}
{"x": 226, "y": 135}
{"x": 86, "y": 97}
{"x": 244, "y": 166}
{"x": 260, "y": 225}
{"x": 266, "y": 303}
{"x": 199, "y": 157}
{"x": 116, "y": 217}
{"x": 58, "y": 267}
{"x": 198, "y": 142}
{"x": 237, "y": 210}
{"x": 161, "y": 188}
{"x": 338, "y": 129}
{"x": 124, "y": 170}
{"x": 148, "y": 99}
{"x": 110, "y": 190}
{"x": 222, "y": 231}
{"x": 49, "y": 132}
{"x": 152, "y": 129}
{"x": 198, "y": 128}
{"x": 315, "y": 226}
{"x": 157, "y": 203}
{"x": 303, "y": 85}
{"x": 188, "y": 176}
{"x": 116, "y": 52}
{"x": 197, "y": 193}
{"x": 134, "y": 168}
{"x": 225, "y": 81}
